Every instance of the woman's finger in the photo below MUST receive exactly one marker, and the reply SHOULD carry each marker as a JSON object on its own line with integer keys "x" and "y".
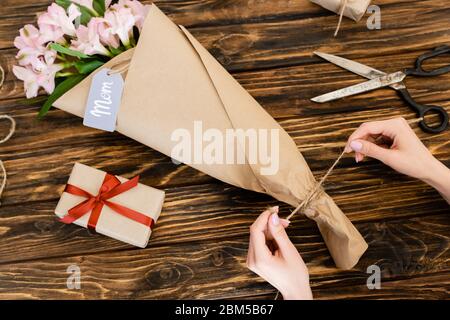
{"x": 258, "y": 237}
{"x": 251, "y": 257}
{"x": 284, "y": 222}
{"x": 280, "y": 236}
{"x": 365, "y": 130}
{"x": 370, "y": 149}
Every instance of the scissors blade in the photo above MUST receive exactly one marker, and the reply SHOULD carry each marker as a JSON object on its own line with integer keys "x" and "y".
{"x": 370, "y": 85}
{"x": 353, "y": 66}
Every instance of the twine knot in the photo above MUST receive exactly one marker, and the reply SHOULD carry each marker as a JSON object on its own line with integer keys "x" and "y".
{"x": 306, "y": 205}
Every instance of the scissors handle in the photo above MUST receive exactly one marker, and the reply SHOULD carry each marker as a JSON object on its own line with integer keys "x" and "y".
{"x": 419, "y": 71}
{"x": 423, "y": 110}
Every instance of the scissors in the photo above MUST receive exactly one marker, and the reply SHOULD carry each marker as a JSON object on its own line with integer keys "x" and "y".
{"x": 380, "y": 79}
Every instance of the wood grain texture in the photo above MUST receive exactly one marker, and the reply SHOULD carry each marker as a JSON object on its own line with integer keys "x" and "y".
{"x": 402, "y": 248}
{"x": 199, "y": 245}
{"x": 211, "y": 211}
{"x": 214, "y": 13}
{"x": 433, "y": 286}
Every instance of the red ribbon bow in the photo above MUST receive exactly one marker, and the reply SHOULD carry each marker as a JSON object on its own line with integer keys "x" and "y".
{"x": 110, "y": 188}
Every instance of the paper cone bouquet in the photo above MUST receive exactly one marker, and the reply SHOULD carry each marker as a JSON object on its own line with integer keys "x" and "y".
{"x": 172, "y": 82}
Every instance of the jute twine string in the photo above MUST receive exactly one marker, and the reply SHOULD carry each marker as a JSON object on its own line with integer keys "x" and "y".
{"x": 2, "y": 76}
{"x": 305, "y": 203}
{"x": 341, "y": 15}
{"x": 317, "y": 189}
{"x": 6, "y": 138}
{"x": 120, "y": 67}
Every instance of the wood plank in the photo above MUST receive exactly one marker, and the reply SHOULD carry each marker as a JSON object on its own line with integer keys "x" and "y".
{"x": 215, "y": 211}
{"x": 200, "y": 13}
{"x": 402, "y": 248}
{"x": 435, "y": 286}
{"x": 269, "y": 44}
{"x": 194, "y": 13}
{"x": 430, "y": 287}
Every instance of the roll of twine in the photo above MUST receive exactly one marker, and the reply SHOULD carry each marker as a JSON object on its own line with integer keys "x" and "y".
{"x": 12, "y": 129}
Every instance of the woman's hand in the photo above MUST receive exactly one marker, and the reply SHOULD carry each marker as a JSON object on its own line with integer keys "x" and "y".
{"x": 395, "y": 144}
{"x": 273, "y": 257}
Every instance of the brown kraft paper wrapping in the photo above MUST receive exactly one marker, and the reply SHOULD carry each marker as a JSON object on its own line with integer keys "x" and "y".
{"x": 173, "y": 81}
{"x": 142, "y": 198}
{"x": 354, "y": 9}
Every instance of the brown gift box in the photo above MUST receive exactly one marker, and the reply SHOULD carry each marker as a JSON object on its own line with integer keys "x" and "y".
{"x": 141, "y": 198}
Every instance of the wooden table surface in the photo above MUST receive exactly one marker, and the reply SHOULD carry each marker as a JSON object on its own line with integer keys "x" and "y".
{"x": 199, "y": 245}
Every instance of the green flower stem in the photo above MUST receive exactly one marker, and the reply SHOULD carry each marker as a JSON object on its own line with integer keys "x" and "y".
{"x": 68, "y": 65}
{"x": 61, "y": 58}
{"x": 109, "y": 54}
{"x": 132, "y": 43}
{"x": 65, "y": 74}
{"x": 94, "y": 13}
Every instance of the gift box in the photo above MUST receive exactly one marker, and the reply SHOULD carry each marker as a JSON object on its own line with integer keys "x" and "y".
{"x": 111, "y": 205}
{"x": 353, "y": 9}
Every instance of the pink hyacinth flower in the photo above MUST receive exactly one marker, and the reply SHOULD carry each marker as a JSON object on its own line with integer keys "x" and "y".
{"x": 34, "y": 80}
{"x": 60, "y": 20}
{"x": 103, "y": 28}
{"x": 138, "y": 10}
{"x": 31, "y": 57}
{"x": 30, "y": 46}
{"x": 51, "y": 33}
{"x": 88, "y": 40}
{"x": 49, "y": 56}
{"x": 121, "y": 21}
{"x": 29, "y": 37}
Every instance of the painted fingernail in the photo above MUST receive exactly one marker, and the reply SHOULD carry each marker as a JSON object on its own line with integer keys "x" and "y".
{"x": 275, "y": 219}
{"x": 356, "y": 146}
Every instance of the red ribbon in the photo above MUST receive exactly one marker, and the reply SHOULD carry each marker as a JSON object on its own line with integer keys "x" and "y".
{"x": 110, "y": 188}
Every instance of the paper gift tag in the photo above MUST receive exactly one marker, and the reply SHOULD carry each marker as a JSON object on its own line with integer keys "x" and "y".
{"x": 103, "y": 102}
